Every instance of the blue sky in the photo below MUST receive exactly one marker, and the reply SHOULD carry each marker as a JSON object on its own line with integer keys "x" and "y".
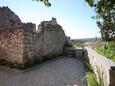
{"x": 73, "y": 15}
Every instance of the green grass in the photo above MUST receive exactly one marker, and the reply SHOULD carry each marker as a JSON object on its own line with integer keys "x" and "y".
{"x": 91, "y": 79}
{"x": 90, "y": 76}
{"x": 106, "y": 49}
{"x": 77, "y": 43}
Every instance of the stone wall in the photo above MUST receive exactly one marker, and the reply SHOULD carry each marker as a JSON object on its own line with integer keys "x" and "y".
{"x": 74, "y": 52}
{"x": 102, "y": 66}
{"x": 8, "y": 18}
{"x": 47, "y": 42}
{"x": 11, "y": 44}
{"x": 21, "y": 43}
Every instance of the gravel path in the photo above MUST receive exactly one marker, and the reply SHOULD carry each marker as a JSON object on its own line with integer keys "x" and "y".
{"x": 58, "y": 72}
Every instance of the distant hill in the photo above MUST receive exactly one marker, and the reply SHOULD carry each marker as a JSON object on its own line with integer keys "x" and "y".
{"x": 87, "y": 39}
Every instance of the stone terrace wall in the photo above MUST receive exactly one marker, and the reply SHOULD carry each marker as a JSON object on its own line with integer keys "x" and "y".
{"x": 102, "y": 67}
{"x": 11, "y": 44}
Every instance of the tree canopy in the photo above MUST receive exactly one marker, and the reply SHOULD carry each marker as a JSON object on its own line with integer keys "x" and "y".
{"x": 105, "y": 16}
{"x": 45, "y": 2}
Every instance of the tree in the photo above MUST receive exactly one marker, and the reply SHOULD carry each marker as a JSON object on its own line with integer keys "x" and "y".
{"x": 45, "y": 2}
{"x": 105, "y": 16}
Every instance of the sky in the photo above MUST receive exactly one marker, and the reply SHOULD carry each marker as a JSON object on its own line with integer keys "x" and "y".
{"x": 73, "y": 15}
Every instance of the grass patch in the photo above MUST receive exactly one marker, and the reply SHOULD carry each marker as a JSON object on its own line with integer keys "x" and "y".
{"x": 106, "y": 49}
{"x": 77, "y": 43}
{"x": 91, "y": 77}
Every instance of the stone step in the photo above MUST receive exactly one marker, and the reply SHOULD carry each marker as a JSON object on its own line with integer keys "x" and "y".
{"x": 73, "y": 52}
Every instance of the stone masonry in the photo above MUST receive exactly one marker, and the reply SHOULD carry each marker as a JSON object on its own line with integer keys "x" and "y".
{"x": 11, "y": 44}
{"x": 21, "y": 43}
{"x": 103, "y": 67}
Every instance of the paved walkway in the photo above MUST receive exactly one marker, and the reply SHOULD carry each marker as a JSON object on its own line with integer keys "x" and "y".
{"x": 58, "y": 72}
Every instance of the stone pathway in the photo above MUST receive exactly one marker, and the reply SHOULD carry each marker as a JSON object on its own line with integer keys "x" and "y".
{"x": 58, "y": 72}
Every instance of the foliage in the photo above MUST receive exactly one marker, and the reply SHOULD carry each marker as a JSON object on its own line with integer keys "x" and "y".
{"x": 105, "y": 48}
{"x": 105, "y": 16}
{"x": 45, "y": 2}
{"x": 91, "y": 77}
{"x": 77, "y": 43}
{"x": 93, "y": 80}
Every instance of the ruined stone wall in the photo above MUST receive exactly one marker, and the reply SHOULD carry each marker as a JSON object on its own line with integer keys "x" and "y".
{"x": 11, "y": 44}
{"x": 51, "y": 41}
{"x": 21, "y": 43}
{"x": 29, "y": 45}
{"x": 47, "y": 42}
{"x": 8, "y": 18}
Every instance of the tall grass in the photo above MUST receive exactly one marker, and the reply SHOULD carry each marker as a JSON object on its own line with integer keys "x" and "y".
{"x": 106, "y": 49}
{"x": 91, "y": 77}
